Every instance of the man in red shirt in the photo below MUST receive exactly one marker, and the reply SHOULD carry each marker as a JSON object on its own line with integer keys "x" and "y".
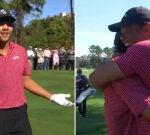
{"x": 14, "y": 77}
{"x": 123, "y": 116}
{"x": 135, "y": 29}
{"x": 136, "y": 60}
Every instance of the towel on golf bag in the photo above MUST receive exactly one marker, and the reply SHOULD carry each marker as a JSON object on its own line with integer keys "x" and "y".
{"x": 85, "y": 94}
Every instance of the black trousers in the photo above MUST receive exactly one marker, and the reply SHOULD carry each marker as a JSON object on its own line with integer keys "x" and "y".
{"x": 15, "y": 121}
{"x": 82, "y": 108}
{"x": 35, "y": 63}
{"x": 61, "y": 64}
{"x": 70, "y": 65}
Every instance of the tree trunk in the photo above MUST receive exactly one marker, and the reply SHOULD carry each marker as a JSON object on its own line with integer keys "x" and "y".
{"x": 72, "y": 19}
{"x": 19, "y": 25}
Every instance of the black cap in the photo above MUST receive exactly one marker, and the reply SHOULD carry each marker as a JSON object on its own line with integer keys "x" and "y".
{"x": 136, "y": 15}
{"x": 6, "y": 15}
{"x": 79, "y": 71}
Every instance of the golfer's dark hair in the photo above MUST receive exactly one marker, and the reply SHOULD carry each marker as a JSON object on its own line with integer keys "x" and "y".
{"x": 118, "y": 44}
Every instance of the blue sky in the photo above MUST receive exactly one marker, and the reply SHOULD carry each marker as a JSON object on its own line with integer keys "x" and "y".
{"x": 93, "y": 18}
{"x": 54, "y": 7}
{"x": 51, "y": 8}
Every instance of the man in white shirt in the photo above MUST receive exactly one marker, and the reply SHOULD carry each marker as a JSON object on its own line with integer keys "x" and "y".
{"x": 30, "y": 54}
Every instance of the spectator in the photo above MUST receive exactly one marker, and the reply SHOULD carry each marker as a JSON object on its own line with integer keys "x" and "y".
{"x": 55, "y": 58}
{"x": 62, "y": 53}
{"x": 30, "y": 54}
{"x": 40, "y": 56}
{"x": 70, "y": 62}
{"x": 81, "y": 85}
{"x": 15, "y": 77}
{"x": 47, "y": 56}
{"x": 35, "y": 58}
{"x": 51, "y": 59}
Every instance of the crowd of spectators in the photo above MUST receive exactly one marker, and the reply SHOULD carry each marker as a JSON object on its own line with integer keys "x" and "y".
{"x": 46, "y": 59}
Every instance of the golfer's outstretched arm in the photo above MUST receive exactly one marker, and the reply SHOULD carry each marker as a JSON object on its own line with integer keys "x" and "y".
{"x": 105, "y": 74}
{"x": 33, "y": 87}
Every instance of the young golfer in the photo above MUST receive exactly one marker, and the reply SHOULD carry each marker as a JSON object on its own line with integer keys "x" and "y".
{"x": 15, "y": 75}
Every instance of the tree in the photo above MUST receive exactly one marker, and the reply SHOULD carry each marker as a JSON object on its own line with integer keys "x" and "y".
{"x": 95, "y": 61}
{"x": 77, "y": 62}
{"x": 59, "y": 32}
{"x": 4, "y": 5}
{"x": 95, "y": 55}
{"x": 84, "y": 62}
{"x": 20, "y": 9}
{"x": 95, "y": 50}
{"x": 72, "y": 19}
{"x": 51, "y": 31}
{"x": 35, "y": 37}
{"x": 108, "y": 51}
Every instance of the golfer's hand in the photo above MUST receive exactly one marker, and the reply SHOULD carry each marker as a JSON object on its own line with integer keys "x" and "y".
{"x": 60, "y": 99}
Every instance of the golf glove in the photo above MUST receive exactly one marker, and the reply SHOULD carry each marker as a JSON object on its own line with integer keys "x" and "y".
{"x": 60, "y": 99}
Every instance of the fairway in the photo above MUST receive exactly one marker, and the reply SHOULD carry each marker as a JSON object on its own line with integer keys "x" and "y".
{"x": 94, "y": 122}
{"x": 47, "y": 118}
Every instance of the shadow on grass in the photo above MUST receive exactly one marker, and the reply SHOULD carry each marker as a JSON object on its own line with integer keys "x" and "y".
{"x": 94, "y": 122}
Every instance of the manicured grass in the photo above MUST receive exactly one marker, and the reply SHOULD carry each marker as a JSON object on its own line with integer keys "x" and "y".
{"x": 94, "y": 122}
{"x": 47, "y": 118}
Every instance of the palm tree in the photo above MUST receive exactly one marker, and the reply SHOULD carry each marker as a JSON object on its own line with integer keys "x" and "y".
{"x": 21, "y": 8}
{"x": 72, "y": 18}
